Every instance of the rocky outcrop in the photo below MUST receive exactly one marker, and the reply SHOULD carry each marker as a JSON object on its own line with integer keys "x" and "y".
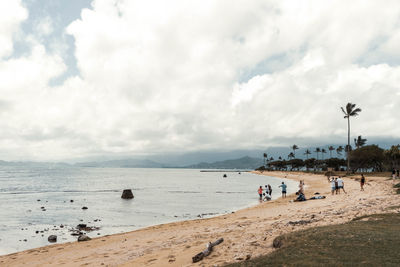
{"x": 127, "y": 194}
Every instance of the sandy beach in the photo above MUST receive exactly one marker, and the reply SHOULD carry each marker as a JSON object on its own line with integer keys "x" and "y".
{"x": 247, "y": 233}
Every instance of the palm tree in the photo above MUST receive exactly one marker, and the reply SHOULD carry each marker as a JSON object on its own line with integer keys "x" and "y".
{"x": 291, "y": 155}
{"x": 331, "y": 148}
{"x": 294, "y": 147}
{"x": 323, "y": 151}
{"x": 271, "y": 159}
{"x": 350, "y": 111}
{"x": 307, "y": 152}
{"x": 317, "y": 150}
{"x": 280, "y": 158}
{"x": 339, "y": 150}
{"x": 359, "y": 142}
{"x": 265, "y": 156}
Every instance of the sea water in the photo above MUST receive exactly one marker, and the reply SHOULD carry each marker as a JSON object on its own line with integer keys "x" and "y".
{"x": 38, "y": 199}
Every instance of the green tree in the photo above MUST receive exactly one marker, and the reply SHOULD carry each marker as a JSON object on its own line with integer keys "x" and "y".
{"x": 317, "y": 150}
{"x": 349, "y": 111}
{"x": 392, "y": 156}
{"x": 359, "y": 141}
{"x": 307, "y": 152}
{"x": 331, "y": 148}
{"x": 339, "y": 151}
{"x": 367, "y": 157}
{"x": 265, "y": 156}
{"x": 323, "y": 151}
{"x": 294, "y": 147}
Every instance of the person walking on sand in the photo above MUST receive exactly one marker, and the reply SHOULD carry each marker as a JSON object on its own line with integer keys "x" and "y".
{"x": 336, "y": 186}
{"x": 362, "y": 182}
{"x": 283, "y": 189}
{"x": 260, "y": 193}
{"x": 340, "y": 185}
{"x": 333, "y": 186}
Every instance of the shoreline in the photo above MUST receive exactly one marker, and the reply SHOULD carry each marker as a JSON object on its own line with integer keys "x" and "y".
{"x": 247, "y": 232}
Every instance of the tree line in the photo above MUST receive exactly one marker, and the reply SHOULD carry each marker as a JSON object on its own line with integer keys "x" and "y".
{"x": 362, "y": 158}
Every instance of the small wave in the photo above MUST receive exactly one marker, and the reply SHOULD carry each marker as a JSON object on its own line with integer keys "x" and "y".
{"x": 229, "y": 192}
{"x": 185, "y": 192}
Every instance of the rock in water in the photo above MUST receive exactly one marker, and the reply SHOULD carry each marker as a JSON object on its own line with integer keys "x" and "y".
{"x": 52, "y": 238}
{"x": 127, "y": 194}
{"x": 83, "y": 238}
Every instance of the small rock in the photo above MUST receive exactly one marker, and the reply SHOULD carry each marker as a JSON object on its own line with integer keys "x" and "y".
{"x": 61, "y": 226}
{"x": 71, "y": 200}
{"x": 81, "y": 225}
{"x": 248, "y": 256}
{"x": 52, "y": 238}
{"x": 25, "y": 240}
{"x": 277, "y": 243}
{"x": 127, "y": 194}
{"x": 38, "y": 200}
{"x": 84, "y": 208}
{"x": 83, "y": 238}
{"x": 37, "y": 232}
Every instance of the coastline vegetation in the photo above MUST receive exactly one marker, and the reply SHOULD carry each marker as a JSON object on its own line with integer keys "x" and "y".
{"x": 368, "y": 241}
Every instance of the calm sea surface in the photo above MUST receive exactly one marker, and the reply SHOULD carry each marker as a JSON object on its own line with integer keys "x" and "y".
{"x": 39, "y": 199}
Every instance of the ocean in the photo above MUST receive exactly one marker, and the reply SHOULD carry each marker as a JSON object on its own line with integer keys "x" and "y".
{"x": 37, "y": 202}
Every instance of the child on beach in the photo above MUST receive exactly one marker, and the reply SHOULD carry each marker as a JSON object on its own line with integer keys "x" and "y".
{"x": 260, "y": 192}
{"x": 283, "y": 189}
{"x": 362, "y": 182}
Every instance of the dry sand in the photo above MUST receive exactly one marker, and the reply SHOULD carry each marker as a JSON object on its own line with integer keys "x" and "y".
{"x": 247, "y": 233}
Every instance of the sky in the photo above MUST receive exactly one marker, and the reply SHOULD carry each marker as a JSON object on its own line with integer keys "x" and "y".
{"x": 118, "y": 78}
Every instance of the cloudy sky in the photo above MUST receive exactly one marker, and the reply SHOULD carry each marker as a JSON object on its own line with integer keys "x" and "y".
{"x": 86, "y": 78}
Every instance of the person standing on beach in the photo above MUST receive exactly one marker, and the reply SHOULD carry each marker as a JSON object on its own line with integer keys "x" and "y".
{"x": 260, "y": 190}
{"x": 398, "y": 173}
{"x": 394, "y": 174}
{"x": 270, "y": 189}
{"x": 333, "y": 186}
{"x": 362, "y": 182}
{"x": 267, "y": 190}
{"x": 340, "y": 185}
{"x": 283, "y": 189}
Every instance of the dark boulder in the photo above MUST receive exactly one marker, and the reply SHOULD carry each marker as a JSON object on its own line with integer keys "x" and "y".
{"x": 127, "y": 194}
{"x": 83, "y": 238}
{"x": 84, "y": 208}
{"x": 52, "y": 238}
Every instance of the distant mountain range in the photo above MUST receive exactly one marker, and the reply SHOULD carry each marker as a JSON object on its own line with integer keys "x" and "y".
{"x": 240, "y": 163}
{"x": 124, "y": 163}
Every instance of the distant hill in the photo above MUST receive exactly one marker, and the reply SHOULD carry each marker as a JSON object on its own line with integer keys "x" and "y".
{"x": 124, "y": 163}
{"x": 241, "y": 163}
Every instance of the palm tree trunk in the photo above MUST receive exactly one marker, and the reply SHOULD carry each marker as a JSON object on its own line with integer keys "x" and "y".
{"x": 348, "y": 144}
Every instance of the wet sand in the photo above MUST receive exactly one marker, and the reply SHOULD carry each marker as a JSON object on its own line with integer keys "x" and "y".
{"x": 247, "y": 233}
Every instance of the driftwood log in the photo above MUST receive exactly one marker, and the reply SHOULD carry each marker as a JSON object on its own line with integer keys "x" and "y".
{"x": 208, "y": 250}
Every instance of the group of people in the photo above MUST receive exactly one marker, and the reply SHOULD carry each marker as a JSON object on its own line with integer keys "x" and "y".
{"x": 265, "y": 194}
{"x": 337, "y": 184}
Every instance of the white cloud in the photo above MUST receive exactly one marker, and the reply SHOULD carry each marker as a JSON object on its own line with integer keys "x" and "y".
{"x": 159, "y": 76}
{"x": 11, "y": 15}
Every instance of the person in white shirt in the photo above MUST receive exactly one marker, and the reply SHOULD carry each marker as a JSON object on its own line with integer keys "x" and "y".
{"x": 340, "y": 185}
{"x": 333, "y": 185}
